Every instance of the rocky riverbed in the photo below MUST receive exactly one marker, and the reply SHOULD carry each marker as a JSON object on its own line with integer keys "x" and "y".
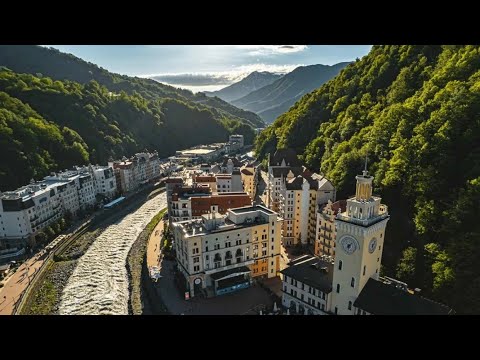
{"x": 99, "y": 283}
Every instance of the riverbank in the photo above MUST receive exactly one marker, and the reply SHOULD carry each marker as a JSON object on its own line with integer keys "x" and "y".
{"x": 136, "y": 261}
{"x": 45, "y": 296}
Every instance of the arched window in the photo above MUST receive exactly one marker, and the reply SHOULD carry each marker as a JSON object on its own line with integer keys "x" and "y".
{"x": 228, "y": 255}
{"x": 340, "y": 263}
{"x": 352, "y": 283}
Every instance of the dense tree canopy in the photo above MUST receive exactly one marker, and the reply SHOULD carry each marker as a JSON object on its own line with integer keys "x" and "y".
{"x": 415, "y": 111}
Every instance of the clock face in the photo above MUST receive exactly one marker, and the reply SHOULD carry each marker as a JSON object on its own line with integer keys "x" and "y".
{"x": 349, "y": 244}
{"x": 372, "y": 245}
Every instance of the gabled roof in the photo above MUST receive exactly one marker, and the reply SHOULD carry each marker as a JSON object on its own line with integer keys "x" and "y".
{"x": 289, "y": 155}
{"x": 380, "y": 298}
{"x": 236, "y": 162}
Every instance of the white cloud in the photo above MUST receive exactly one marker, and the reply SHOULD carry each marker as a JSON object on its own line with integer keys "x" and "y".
{"x": 256, "y": 50}
{"x": 202, "y": 81}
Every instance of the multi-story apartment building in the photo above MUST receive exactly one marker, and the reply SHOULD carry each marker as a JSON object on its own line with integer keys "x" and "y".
{"x": 307, "y": 285}
{"x": 105, "y": 181}
{"x": 139, "y": 169}
{"x": 299, "y": 197}
{"x": 218, "y": 253}
{"x": 124, "y": 174}
{"x": 229, "y": 182}
{"x": 326, "y": 231}
{"x": 355, "y": 282}
{"x": 24, "y": 213}
{"x": 279, "y": 165}
{"x": 249, "y": 178}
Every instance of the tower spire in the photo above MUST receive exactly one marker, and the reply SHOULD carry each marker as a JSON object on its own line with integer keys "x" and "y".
{"x": 365, "y": 171}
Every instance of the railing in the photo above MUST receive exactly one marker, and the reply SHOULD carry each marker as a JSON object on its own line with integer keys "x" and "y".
{"x": 363, "y": 222}
{"x": 17, "y": 253}
{"x": 228, "y": 267}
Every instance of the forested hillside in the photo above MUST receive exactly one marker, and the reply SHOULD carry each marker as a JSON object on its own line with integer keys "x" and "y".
{"x": 50, "y": 62}
{"x": 90, "y": 122}
{"x": 415, "y": 111}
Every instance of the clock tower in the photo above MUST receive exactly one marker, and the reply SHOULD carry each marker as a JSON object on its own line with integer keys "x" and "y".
{"x": 358, "y": 253}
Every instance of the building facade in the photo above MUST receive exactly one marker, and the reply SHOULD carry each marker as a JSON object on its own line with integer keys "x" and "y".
{"x": 307, "y": 286}
{"x": 218, "y": 253}
{"x": 298, "y": 199}
{"x": 250, "y": 179}
{"x": 326, "y": 232}
{"x": 356, "y": 285}
{"x": 279, "y": 165}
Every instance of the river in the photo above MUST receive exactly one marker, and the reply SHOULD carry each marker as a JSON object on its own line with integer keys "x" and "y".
{"x": 99, "y": 283}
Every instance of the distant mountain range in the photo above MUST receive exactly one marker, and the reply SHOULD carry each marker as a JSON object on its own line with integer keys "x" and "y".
{"x": 274, "y": 99}
{"x": 252, "y": 82}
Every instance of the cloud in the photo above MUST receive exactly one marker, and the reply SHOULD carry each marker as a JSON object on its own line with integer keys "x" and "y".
{"x": 256, "y": 50}
{"x": 200, "y": 81}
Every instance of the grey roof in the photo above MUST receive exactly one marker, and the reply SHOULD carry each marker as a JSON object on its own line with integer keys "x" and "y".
{"x": 307, "y": 269}
{"x": 380, "y": 298}
{"x": 283, "y": 171}
{"x": 289, "y": 155}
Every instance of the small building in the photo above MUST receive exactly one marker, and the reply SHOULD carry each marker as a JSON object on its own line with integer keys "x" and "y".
{"x": 307, "y": 285}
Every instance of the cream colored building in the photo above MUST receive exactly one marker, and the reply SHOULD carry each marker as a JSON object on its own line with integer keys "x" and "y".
{"x": 299, "y": 199}
{"x": 249, "y": 179}
{"x": 351, "y": 284}
{"x": 360, "y": 238}
{"x": 326, "y": 231}
{"x": 219, "y": 254}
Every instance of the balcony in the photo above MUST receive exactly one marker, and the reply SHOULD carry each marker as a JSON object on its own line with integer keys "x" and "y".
{"x": 228, "y": 267}
{"x": 364, "y": 222}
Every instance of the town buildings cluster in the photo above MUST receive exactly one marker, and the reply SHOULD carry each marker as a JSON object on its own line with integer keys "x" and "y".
{"x": 27, "y": 211}
{"x": 224, "y": 241}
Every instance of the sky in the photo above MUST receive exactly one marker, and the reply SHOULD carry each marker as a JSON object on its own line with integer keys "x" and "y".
{"x": 209, "y": 67}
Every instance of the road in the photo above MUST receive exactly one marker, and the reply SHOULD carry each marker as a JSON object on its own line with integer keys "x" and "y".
{"x": 99, "y": 283}
{"x": 18, "y": 282}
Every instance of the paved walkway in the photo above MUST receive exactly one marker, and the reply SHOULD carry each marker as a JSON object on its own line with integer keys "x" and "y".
{"x": 16, "y": 283}
{"x": 153, "y": 248}
{"x": 238, "y": 303}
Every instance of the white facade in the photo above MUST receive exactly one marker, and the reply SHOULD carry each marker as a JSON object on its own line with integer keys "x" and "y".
{"x": 105, "y": 182}
{"x": 297, "y": 295}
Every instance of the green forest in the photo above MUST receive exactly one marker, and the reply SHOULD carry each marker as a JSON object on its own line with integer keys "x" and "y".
{"x": 415, "y": 112}
{"x": 57, "y": 111}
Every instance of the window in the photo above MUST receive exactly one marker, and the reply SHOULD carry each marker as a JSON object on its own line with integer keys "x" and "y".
{"x": 336, "y": 310}
{"x": 273, "y": 231}
{"x": 379, "y": 247}
{"x": 301, "y": 296}
{"x": 272, "y": 247}
{"x": 338, "y": 288}
{"x": 349, "y": 305}
{"x": 340, "y": 263}
{"x": 364, "y": 269}
{"x": 196, "y": 268}
{"x": 352, "y": 282}
{"x": 378, "y": 259}
{"x": 196, "y": 260}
